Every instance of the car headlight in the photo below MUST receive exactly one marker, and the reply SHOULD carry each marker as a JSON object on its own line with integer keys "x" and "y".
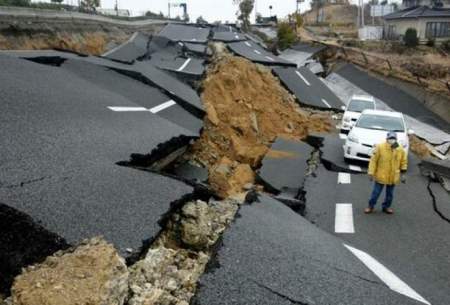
{"x": 352, "y": 138}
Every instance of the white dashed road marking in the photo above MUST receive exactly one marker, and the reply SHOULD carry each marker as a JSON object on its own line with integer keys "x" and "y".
{"x": 248, "y": 44}
{"x": 155, "y": 109}
{"x": 343, "y": 222}
{"x": 384, "y": 274}
{"x": 270, "y": 58}
{"x": 257, "y": 52}
{"x": 184, "y": 65}
{"x": 344, "y": 178}
{"x": 127, "y": 109}
{"x": 326, "y": 103}
{"x": 355, "y": 168}
{"x": 303, "y": 79}
{"x": 162, "y": 106}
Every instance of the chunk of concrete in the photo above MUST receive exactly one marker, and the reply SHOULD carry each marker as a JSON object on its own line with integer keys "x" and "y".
{"x": 440, "y": 167}
{"x": 136, "y": 47}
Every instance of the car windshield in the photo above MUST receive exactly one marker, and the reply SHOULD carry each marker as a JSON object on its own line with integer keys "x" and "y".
{"x": 360, "y": 105}
{"x": 381, "y": 122}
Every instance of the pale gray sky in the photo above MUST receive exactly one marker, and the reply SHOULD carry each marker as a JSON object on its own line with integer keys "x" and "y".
{"x": 211, "y": 10}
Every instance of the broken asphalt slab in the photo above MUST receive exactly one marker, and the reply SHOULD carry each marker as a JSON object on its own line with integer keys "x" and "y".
{"x": 271, "y": 255}
{"x": 332, "y": 153}
{"x": 136, "y": 47}
{"x": 228, "y": 36}
{"x": 300, "y": 53}
{"x": 182, "y": 93}
{"x": 59, "y": 164}
{"x": 139, "y": 93}
{"x": 185, "y": 33}
{"x": 415, "y": 235}
{"x": 284, "y": 168}
{"x": 256, "y": 53}
{"x": 440, "y": 167}
{"x": 395, "y": 98}
{"x": 308, "y": 88}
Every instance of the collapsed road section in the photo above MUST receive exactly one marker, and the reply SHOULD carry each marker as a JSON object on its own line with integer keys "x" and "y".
{"x": 230, "y": 219}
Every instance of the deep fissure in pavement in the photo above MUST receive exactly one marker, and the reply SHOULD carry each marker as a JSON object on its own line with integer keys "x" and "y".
{"x": 23, "y": 242}
{"x": 433, "y": 198}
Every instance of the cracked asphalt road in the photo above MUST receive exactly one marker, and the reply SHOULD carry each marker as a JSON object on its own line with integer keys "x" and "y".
{"x": 60, "y": 145}
{"x": 412, "y": 243}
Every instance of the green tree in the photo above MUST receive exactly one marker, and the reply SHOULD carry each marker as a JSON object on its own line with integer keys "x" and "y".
{"x": 90, "y": 4}
{"x": 286, "y": 35}
{"x": 15, "y": 2}
{"x": 200, "y": 20}
{"x": 410, "y": 39}
{"x": 245, "y": 9}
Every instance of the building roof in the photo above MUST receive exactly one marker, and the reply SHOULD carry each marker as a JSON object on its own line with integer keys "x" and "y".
{"x": 419, "y": 12}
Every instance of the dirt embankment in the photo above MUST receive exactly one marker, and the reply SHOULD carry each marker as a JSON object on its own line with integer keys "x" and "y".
{"x": 247, "y": 108}
{"x": 26, "y": 33}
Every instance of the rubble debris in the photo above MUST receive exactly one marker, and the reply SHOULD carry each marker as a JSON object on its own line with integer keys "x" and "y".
{"x": 171, "y": 268}
{"x": 92, "y": 273}
{"x": 229, "y": 178}
{"x": 247, "y": 108}
{"x": 22, "y": 242}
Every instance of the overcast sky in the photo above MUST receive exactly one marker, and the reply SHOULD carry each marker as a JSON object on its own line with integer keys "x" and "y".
{"x": 211, "y": 10}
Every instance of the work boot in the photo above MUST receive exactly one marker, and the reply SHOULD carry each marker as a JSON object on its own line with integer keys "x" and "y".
{"x": 368, "y": 210}
{"x": 388, "y": 211}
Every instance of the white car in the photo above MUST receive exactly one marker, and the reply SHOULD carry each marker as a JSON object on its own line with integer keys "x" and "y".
{"x": 371, "y": 129}
{"x": 356, "y": 105}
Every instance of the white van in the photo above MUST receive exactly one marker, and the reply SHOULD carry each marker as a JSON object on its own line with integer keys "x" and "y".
{"x": 356, "y": 105}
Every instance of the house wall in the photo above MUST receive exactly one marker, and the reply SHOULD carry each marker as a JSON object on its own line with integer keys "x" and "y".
{"x": 419, "y": 24}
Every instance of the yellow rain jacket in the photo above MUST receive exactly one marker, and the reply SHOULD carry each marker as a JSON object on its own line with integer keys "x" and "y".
{"x": 386, "y": 164}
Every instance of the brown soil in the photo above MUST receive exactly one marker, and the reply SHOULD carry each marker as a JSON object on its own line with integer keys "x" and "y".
{"x": 280, "y": 154}
{"x": 247, "y": 108}
{"x": 92, "y": 273}
{"x": 419, "y": 147}
{"x": 92, "y": 43}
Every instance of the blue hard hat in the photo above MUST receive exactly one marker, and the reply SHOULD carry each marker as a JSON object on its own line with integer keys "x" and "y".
{"x": 391, "y": 135}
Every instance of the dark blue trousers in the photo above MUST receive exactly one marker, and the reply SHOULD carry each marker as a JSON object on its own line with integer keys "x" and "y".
{"x": 377, "y": 190}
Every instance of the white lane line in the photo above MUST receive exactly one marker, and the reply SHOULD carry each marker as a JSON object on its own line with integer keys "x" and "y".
{"x": 326, "y": 103}
{"x": 236, "y": 36}
{"x": 344, "y": 178}
{"x": 304, "y": 79}
{"x": 163, "y": 106}
{"x": 121, "y": 45}
{"x": 384, "y": 274}
{"x": 257, "y": 52}
{"x": 127, "y": 109}
{"x": 341, "y": 135}
{"x": 270, "y": 58}
{"x": 248, "y": 44}
{"x": 184, "y": 65}
{"x": 355, "y": 168}
{"x": 343, "y": 222}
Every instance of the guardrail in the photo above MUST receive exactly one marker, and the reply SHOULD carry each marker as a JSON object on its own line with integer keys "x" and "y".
{"x": 54, "y": 14}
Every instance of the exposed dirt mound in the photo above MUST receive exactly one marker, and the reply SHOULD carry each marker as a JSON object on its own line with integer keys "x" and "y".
{"x": 93, "y": 43}
{"x": 92, "y": 273}
{"x": 419, "y": 147}
{"x": 247, "y": 108}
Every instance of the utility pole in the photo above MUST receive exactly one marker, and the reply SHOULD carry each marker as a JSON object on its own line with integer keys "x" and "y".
{"x": 362, "y": 13}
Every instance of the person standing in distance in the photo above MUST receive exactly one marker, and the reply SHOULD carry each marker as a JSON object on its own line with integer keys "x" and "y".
{"x": 387, "y": 167}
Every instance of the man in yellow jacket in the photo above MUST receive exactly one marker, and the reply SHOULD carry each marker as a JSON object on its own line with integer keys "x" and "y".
{"x": 387, "y": 167}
